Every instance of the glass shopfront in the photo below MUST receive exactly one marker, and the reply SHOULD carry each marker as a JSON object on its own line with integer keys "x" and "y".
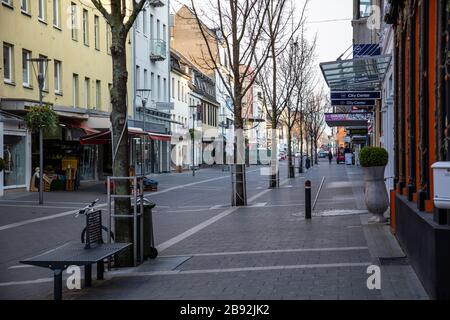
{"x": 145, "y": 155}
{"x": 14, "y": 151}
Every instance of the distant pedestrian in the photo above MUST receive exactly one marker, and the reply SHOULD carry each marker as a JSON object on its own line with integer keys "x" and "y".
{"x": 330, "y": 156}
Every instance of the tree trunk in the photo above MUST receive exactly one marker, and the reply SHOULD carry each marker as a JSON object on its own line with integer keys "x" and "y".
{"x": 312, "y": 152}
{"x": 291, "y": 168}
{"x": 316, "y": 159}
{"x": 301, "y": 144}
{"x": 307, "y": 149}
{"x": 123, "y": 227}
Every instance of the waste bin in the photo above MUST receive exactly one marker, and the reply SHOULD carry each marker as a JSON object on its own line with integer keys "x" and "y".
{"x": 149, "y": 240}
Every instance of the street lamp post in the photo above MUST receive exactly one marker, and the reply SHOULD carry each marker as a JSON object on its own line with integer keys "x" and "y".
{"x": 40, "y": 66}
{"x": 194, "y": 111}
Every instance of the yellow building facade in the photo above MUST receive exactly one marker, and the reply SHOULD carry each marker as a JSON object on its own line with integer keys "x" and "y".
{"x": 76, "y": 37}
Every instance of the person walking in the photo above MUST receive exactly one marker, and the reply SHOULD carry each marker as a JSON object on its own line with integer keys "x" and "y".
{"x": 330, "y": 156}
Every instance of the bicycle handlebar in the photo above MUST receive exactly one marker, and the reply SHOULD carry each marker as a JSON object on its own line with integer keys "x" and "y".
{"x": 86, "y": 208}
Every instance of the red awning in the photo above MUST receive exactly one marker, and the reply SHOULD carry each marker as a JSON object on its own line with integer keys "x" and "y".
{"x": 79, "y": 125}
{"x": 160, "y": 137}
{"x": 105, "y": 136}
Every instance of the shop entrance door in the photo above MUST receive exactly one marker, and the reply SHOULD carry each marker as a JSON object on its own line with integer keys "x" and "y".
{"x": 87, "y": 163}
{"x": 14, "y": 156}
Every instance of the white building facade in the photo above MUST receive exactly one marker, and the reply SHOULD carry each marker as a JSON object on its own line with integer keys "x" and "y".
{"x": 387, "y": 109}
{"x": 151, "y": 87}
{"x": 180, "y": 93}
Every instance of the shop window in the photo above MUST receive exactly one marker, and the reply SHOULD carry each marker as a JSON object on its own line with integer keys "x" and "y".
{"x": 14, "y": 157}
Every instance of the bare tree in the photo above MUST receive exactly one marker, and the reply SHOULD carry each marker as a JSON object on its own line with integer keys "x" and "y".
{"x": 304, "y": 91}
{"x": 120, "y": 15}
{"x": 316, "y": 120}
{"x": 297, "y": 71}
{"x": 239, "y": 23}
{"x": 279, "y": 35}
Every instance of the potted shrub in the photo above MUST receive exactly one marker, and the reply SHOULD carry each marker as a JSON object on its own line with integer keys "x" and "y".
{"x": 373, "y": 160}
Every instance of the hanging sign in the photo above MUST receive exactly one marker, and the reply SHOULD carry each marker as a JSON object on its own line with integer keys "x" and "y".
{"x": 353, "y": 103}
{"x": 355, "y": 95}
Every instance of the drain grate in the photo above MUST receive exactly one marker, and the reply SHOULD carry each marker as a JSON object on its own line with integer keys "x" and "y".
{"x": 393, "y": 261}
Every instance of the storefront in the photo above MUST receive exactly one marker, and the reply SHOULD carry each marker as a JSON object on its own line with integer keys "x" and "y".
{"x": 145, "y": 148}
{"x": 422, "y": 138}
{"x": 15, "y": 149}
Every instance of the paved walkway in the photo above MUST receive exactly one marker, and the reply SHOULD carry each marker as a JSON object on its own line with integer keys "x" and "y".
{"x": 267, "y": 250}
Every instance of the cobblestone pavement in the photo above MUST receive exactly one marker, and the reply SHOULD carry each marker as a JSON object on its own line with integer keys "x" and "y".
{"x": 209, "y": 250}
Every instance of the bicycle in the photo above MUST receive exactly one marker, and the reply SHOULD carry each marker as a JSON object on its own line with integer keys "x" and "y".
{"x": 87, "y": 210}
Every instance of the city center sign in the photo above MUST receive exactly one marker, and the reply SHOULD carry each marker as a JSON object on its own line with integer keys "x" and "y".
{"x": 355, "y": 95}
{"x": 353, "y": 103}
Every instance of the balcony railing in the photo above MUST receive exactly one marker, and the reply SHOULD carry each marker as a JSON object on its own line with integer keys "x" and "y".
{"x": 159, "y": 50}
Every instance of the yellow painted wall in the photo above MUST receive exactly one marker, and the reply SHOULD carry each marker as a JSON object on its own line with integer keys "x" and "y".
{"x": 28, "y": 32}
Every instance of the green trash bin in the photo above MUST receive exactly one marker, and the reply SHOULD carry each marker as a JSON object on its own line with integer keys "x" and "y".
{"x": 149, "y": 240}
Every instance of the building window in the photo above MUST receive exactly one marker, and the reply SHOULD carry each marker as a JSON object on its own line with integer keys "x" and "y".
{"x": 73, "y": 21}
{"x": 173, "y": 88}
{"x": 43, "y": 70}
{"x": 365, "y": 8}
{"x": 85, "y": 27}
{"x": 57, "y": 76}
{"x": 138, "y": 77}
{"x": 152, "y": 85}
{"x": 138, "y": 22}
{"x": 109, "y": 97}
{"x": 164, "y": 89}
{"x": 144, "y": 22}
{"x": 75, "y": 90}
{"x": 164, "y": 36}
{"x": 97, "y": 32}
{"x": 178, "y": 90}
{"x": 145, "y": 79}
{"x": 152, "y": 22}
{"x": 158, "y": 29}
{"x": 87, "y": 92}
{"x": 8, "y": 2}
{"x": 98, "y": 94}
{"x": 26, "y": 55}
{"x": 108, "y": 38}
{"x": 42, "y": 6}
{"x": 25, "y": 6}
{"x": 56, "y": 13}
{"x": 159, "y": 88}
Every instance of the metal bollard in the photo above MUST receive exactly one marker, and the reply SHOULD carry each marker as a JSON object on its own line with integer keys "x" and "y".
{"x": 308, "y": 199}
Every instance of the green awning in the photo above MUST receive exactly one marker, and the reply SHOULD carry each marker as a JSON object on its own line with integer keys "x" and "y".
{"x": 356, "y": 74}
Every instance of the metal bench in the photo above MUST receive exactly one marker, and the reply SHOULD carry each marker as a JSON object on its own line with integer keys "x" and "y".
{"x": 93, "y": 251}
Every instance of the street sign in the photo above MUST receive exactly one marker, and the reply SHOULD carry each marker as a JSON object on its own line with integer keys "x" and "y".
{"x": 355, "y": 95}
{"x": 356, "y": 103}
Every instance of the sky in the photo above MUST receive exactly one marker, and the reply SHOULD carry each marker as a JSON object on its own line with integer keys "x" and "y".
{"x": 329, "y": 19}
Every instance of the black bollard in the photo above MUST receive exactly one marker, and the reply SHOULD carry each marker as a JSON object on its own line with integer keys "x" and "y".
{"x": 307, "y": 199}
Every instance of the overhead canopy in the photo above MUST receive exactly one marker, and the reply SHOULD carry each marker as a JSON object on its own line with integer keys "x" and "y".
{"x": 104, "y": 137}
{"x": 356, "y": 74}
